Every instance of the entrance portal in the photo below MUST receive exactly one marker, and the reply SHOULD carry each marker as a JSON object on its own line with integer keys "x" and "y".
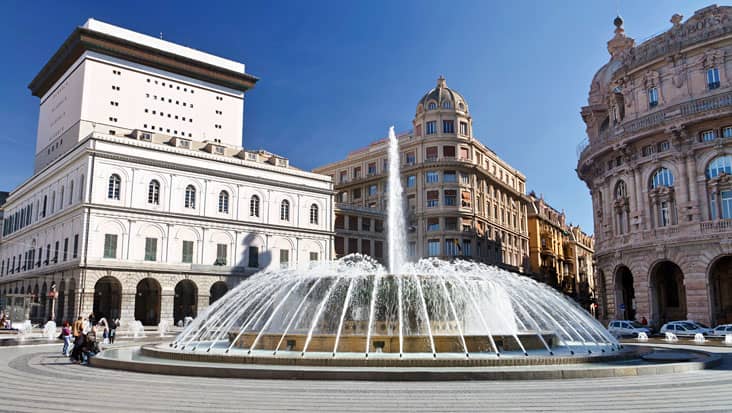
{"x": 147, "y": 302}
{"x": 624, "y": 294}
{"x": 668, "y": 292}
{"x": 107, "y": 298}
{"x": 184, "y": 303}
{"x": 720, "y": 282}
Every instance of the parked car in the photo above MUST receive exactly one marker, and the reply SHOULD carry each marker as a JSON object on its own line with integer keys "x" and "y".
{"x": 700, "y": 325}
{"x": 620, "y": 328}
{"x": 684, "y": 328}
{"x": 722, "y": 330}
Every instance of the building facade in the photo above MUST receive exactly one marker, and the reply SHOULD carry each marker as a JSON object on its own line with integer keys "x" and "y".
{"x": 462, "y": 200}
{"x": 560, "y": 255}
{"x": 658, "y": 163}
{"x": 144, "y": 205}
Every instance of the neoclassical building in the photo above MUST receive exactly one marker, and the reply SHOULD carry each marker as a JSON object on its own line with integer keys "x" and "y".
{"x": 658, "y": 163}
{"x": 462, "y": 199}
{"x": 143, "y": 204}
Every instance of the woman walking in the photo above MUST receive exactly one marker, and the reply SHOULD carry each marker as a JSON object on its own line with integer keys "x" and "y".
{"x": 66, "y": 334}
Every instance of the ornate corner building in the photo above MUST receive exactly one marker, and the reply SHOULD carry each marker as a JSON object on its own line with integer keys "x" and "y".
{"x": 462, "y": 199}
{"x": 658, "y": 163}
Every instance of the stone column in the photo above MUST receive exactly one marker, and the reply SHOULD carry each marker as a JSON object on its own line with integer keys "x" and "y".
{"x": 697, "y": 297}
{"x": 166, "y": 305}
{"x": 693, "y": 196}
{"x": 127, "y": 313}
{"x": 202, "y": 302}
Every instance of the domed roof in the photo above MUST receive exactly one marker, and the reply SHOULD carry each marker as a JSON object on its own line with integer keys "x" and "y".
{"x": 442, "y": 94}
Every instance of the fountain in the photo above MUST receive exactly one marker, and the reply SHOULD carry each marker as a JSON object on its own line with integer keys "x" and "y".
{"x": 135, "y": 327}
{"x": 728, "y": 339}
{"x": 671, "y": 337}
{"x": 163, "y": 327}
{"x": 354, "y": 308}
{"x": 24, "y": 329}
{"x": 642, "y": 337}
{"x": 50, "y": 330}
{"x": 699, "y": 338}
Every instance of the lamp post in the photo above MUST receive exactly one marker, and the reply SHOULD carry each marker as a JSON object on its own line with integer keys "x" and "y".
{"x": 52, "y": 294}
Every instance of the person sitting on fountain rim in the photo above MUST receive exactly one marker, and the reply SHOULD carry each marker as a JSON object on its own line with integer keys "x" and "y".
{"x": 90, "y": 347}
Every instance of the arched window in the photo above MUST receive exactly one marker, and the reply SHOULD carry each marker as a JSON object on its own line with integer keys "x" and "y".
{"x": 285, "y": 210}
{"x": 719, "y": 165}
{"x": 314, "y": 214}
{"x": 114, "y": 185}
{"x": 461, "y": 106}
{"x": 190, "y": 200}
{"x": 254, "y": 206}
{"x": 620, "y": 190}
{"x": 446, "y": 104}
{"x": 224, "y": 202}
{"x": 153, "y": 192}
{"x": 662, "y": 177}
{"x": 71, "y": 193}
{"x": 432, "y": 106}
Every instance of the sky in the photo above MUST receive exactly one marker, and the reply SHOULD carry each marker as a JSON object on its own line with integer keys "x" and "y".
{"x": 336, "y": 74}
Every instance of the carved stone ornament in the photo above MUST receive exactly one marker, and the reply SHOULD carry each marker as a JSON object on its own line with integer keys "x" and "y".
{"x": 650, "y": 79}
{"x": 712, "y": 58}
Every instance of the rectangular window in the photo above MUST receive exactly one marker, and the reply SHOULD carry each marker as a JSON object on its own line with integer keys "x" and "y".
{"x": 448, "y": 151}
{"x": 356, "y": 172}
{"x": 663, "y": 146}
{"x": 464, "y": 128}
{"x": 373, "y": 190}
{"x": 151, "y": 249}
{"x": 464, "y": 153}
{"x": 448, "y": 126}
{"x": 433, "y": 224}
{"x": 379, "y": 225}
{"x": 220, "y": 254}
{"x": 664, "y": 214}
{"x": 653, "y": 97}
{"x": 433, "y": 199}
{"x": 55, "y": 252}
{"x": 412, "y": 249}
{"x": 449, "y": 176}
{"x": 313, "y": 256}
{"x": 344, "y": 176}
{"x": 465, "y": 179}
{"x": 372, "y": 168}
{"x": 433, "y": 248}
{"x": 187, "y": 253}
{"x": 467, "y": 248}
{"x": 708, "y": 135}
{"x": 110, "y": 246}
{"x": 648, "y": 150}
{"x": 365, "y": 224}
{"x": 76, "y": 247}
{"x": 357, "y": 193}
{"x": 431, "y": 128}
{"x": 411, "y": 181}
{"x": 284, "y": 258}
{"x": 431, "y": 153}
{"x": 465, "y": 197}
{"x": 450, "y": 197}
{"x": 410, "y": 158}
{"x": 450, "y": 223}
{"x": 451, "y": 247}
{"x": 713, "y": 78}
{"x": 432, "y": 177}
{"x": 726, "y": 204}
{"x": 66, "y": 249}
{"x": 253, "y": 257}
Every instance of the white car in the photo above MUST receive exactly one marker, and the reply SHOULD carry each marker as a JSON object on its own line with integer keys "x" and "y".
{"x": 620, "y": 328}
{"x": 722, "y": 330}
{"x": 684, "y": 328}
{"x": 700, "y": 326}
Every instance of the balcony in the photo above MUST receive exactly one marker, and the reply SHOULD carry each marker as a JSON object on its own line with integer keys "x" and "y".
{"x": 660, "y": 117}
{"x": 716, "y": 226}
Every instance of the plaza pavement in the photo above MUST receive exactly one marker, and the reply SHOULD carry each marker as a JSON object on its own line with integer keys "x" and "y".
{"x": 38, "y": 378}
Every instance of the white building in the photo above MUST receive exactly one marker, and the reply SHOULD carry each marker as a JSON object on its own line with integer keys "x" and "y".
{"x": 144, "y": 204}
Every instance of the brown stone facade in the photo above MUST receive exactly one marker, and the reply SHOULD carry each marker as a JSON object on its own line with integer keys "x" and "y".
{"x": 658, "y": 163}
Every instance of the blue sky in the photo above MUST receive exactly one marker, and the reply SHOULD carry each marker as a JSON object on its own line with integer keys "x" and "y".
{"x": 336, "y": 74}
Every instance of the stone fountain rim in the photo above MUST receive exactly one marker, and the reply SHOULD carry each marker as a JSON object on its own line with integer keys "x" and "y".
{"x": 181, "y": 367}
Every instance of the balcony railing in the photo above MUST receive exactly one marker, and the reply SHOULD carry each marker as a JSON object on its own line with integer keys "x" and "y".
{"x": 717, "y": 226}
{"x": 692, "y": 107}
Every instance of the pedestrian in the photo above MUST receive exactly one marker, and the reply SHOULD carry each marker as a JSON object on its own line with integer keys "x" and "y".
{"x": 66, "y": 334}
{"x": 78, "y": 327}
{"x": 644, "y": 321}
{"x": 76, "y": 353}
{"x": 113, "y": 330}
{"x": 92, "y": 321}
